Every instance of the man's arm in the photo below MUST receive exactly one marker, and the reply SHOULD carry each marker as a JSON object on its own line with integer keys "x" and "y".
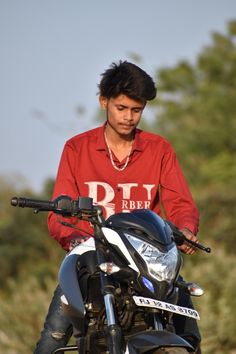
{"x": 65, "y": 185}
{"x": 177, "y": 200}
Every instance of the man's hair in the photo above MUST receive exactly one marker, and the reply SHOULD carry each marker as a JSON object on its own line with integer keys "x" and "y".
{"x": 127, "y": 79}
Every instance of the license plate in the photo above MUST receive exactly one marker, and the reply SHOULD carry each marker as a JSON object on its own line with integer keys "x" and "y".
{"x": 165, "y": 306}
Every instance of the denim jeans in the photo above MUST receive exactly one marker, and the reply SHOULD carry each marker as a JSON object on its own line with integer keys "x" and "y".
{"x": 57, "y": 328}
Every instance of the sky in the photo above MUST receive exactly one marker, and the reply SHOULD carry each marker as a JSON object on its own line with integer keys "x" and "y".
{"x": 54, "y": 51}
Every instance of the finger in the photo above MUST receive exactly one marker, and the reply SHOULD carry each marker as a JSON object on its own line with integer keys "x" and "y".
{"x": 184, "y": 248}
{"x": 191, "y": 250}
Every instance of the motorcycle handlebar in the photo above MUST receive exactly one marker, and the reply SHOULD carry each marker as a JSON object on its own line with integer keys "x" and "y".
{"x": 63, "y": 205}
{"x": 66, "y": 206}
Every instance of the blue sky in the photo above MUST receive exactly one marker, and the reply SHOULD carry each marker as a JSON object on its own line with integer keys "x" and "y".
{"x": 52, "y": 55}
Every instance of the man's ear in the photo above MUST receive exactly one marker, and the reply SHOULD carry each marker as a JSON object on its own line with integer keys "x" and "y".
{"x": 103, "y": 102}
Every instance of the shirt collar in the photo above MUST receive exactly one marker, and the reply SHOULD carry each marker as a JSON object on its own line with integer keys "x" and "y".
{"x": 138, "y": 143}
{"x": 101, "y": 144}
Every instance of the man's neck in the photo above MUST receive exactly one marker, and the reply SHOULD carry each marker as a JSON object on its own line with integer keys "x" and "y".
{"x": 120, "y": 145}
{"x": 116, "y": 140}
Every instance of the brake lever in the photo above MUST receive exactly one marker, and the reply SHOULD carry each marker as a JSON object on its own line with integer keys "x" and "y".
{"x": 180, "y": 238}
{"x": 197, "y": 245}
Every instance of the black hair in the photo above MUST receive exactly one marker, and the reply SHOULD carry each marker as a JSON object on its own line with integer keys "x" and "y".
{"x": 128, "y": 79}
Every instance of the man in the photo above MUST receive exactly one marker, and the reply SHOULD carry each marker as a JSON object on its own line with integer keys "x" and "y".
{"x": 122, "y": 168}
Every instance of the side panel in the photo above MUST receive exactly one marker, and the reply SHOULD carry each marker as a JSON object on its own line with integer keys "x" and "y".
{"x": 68, "y": 282}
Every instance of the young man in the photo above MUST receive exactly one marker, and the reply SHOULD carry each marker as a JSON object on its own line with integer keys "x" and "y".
{"x": 122, "y": 168}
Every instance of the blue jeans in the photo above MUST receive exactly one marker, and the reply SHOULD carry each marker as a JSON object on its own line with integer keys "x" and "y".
{"x": 57, "y": 327}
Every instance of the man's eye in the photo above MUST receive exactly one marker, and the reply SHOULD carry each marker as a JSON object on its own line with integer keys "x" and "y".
{"x": 120, "y": 108}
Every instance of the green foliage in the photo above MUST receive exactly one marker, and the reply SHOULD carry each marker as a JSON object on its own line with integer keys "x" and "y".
{"x": 196, "y": 111}
{"x": 217, "y": 307}
{"x": 22, "y": 312}
{"x": 29, "y": 261}
{"x": 24, "y": 240}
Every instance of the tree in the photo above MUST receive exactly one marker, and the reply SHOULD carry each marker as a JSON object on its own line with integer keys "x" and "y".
{"x": 196, "y": 110}
{"x": 25, "y": 246}
{"x": 29, "y": 261}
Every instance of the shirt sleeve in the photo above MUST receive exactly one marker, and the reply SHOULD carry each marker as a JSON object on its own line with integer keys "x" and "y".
{"x": 176, "y": 197}
{"x": 65, "y": 185}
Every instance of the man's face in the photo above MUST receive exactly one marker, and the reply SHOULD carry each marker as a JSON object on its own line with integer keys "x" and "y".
{"x": 123, "y": 113}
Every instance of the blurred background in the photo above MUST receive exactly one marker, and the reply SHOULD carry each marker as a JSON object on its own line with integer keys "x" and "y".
{"x": 52, "y": 55}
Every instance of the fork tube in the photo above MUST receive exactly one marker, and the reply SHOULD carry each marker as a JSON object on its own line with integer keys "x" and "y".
{"x": 108, "y": 300}
{"x": 157, "y": 323}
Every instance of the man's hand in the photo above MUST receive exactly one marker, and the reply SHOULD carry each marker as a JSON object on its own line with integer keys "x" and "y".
{"x": 187, "y": 248}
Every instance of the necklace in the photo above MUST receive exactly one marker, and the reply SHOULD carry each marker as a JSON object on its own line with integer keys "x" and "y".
{"x": 111, "y": 157}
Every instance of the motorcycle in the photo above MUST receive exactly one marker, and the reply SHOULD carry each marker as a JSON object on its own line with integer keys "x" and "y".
{"x": 121, "y": 286}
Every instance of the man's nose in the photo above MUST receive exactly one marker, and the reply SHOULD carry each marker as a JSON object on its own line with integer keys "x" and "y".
{"x": 129, "y": 116}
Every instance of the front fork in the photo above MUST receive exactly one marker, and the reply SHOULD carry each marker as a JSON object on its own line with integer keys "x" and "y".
{"x": 114, "y": 333}
{"x": 113, "y": 329}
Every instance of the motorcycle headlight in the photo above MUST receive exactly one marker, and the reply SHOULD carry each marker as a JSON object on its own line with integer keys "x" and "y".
{"x": 162, "y": 266}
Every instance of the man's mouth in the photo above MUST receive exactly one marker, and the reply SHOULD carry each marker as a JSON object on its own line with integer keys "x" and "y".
{"x": 127, "y": 126}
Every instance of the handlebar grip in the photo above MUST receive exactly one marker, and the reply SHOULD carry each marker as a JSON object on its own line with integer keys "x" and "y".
{"x": 33, "y": 203}
{"x": 63, "y": 205}
{"x": 198, "y": 245}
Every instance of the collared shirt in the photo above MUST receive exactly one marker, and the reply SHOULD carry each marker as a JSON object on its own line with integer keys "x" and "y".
{"x": 85, "y": 169}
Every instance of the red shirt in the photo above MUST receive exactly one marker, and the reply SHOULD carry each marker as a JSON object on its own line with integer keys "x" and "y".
{"x": 85, "y": 169}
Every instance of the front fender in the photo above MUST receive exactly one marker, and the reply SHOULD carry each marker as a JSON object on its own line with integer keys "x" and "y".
{"x": 69, "y": 284}
{"x": 146, "y": 341}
